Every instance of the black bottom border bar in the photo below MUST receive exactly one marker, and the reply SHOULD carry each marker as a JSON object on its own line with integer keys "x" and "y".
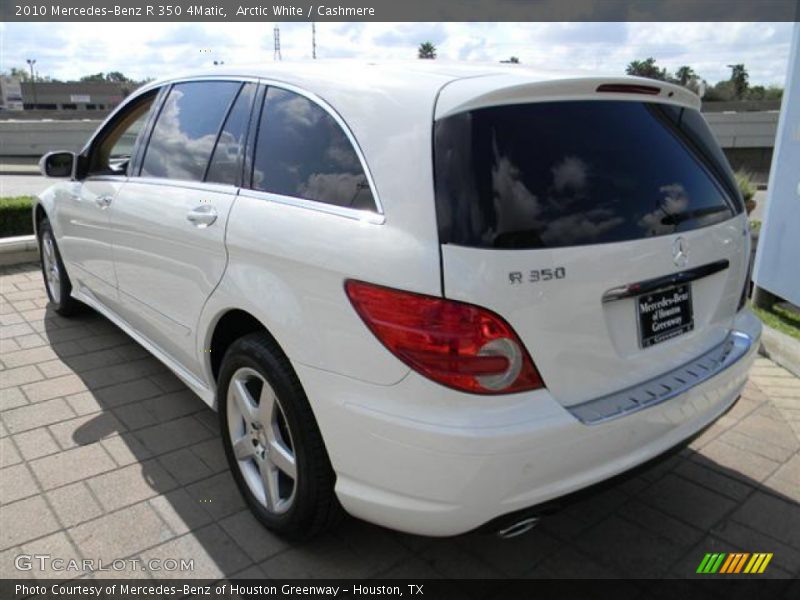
{"x": 704, "y": 586}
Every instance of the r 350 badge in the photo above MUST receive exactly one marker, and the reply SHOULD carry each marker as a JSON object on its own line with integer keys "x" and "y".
{"x": 537, "y": 275}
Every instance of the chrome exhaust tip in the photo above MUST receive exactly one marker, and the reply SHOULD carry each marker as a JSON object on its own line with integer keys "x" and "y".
{"x": 518, "y": 528}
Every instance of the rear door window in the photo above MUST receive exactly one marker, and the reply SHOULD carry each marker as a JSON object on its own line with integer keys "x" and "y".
{"x": 556, "y": 174}
{"x": 186, "y": 130}
{"x": 302, "y": 152}
{"x": 225, "y": 165}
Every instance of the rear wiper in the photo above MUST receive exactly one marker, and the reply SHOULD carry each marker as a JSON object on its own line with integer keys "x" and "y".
{"x": 681, "y": 217}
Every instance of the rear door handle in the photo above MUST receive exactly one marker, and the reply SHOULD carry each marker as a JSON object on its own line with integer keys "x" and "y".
{"x": 202, "y": 216}
{"x": 103, "y": 201}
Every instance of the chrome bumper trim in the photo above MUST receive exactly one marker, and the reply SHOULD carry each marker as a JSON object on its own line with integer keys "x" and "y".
{"x": 666, "y": 386}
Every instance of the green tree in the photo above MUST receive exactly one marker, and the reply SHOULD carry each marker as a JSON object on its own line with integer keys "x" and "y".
{"x": 685, "y": 75}
{"x": 722, "y": 91}
{"x": 739, "y": 80}
{"x": 426, "y": 50}
{"x": 116, "y": 77}
{"x": 756, "y": 92}
{"x": 21, "y": 74}
{"x": 773, "y": 92}
{"x": 513, "y": 60}
{"x": 25, "y": 75}
{"x": 647, "y": 68}
{"x": 96, "y": 78}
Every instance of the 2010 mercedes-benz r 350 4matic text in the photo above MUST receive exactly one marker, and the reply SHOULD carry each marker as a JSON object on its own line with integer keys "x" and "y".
{"x": 431, "y": 295}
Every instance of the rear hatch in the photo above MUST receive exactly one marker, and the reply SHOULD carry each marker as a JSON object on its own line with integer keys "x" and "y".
{"x": 605, "y": 226}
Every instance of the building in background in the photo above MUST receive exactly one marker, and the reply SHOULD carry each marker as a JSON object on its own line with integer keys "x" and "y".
{"x": 10, "y": 93}
{"x": 777, "y": 268}
{"x": 72, "y": 96}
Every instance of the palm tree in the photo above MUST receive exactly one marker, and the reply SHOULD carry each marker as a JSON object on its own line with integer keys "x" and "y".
{"x": 426, "y": 50}
{"x": 647, "y": 68}
{"x": 739, "y": 79}
{"x": 685, "y": 74}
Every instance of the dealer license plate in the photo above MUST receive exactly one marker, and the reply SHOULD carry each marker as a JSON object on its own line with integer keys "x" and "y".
{"x": 664, "y": 315}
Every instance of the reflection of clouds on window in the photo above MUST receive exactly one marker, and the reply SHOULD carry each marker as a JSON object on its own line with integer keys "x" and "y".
{"x": 226, "y": 160}
{"x": 258, "y": 179}
{"x": 513, "y": 201}
{"x": 295, "y": 112}
{"x": 341, "y": 154}
{"x": 581, "y": 226}
{"x": 184, "y": 135}
{"x": 570, "y": 174}
{"x": 674, "y": 202}
{"x": 301, "y": 151}
{"x": 320, "y": 186}
{"x": 455, "y": 178}
{"x": 553, "y": 218}
{"x": 550, "y": 174}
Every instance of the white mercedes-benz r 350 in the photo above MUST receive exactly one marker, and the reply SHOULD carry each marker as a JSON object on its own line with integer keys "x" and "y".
{"x": 438, "y": 297}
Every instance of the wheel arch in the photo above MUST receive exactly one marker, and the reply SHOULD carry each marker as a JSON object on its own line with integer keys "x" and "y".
{"x": 39, "y": 214}
{"x": 230, "y": 325}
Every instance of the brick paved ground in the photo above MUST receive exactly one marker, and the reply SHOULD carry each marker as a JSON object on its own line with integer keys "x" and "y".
{"x": 105, "y": 454}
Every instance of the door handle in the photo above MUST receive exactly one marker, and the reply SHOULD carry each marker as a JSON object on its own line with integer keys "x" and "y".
{"x": 202, "y": 216}
{"x": 103, "y": 201}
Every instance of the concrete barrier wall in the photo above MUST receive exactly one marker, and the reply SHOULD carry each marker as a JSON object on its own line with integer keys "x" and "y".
{"x": 744, "y": 129}
{"x": 34, "y": 138}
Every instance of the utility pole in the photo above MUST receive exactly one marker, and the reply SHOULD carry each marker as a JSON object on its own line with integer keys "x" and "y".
{"x": 313, "y": 40}
{"x": 31, "y": 62}
{"x": 276, "y": 33}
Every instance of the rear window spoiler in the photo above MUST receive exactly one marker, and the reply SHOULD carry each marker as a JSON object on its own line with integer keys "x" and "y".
{"x": 496, "y": 90}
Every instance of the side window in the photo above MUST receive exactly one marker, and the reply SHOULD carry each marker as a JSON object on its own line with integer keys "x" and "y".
{"x": 112, "y": 152}
{"x": 187, "y": 128}
{"x": 301, "y": 151}
{"x": 225, "y": 166}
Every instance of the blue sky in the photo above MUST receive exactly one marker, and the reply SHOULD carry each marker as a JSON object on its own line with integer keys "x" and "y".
{"x": 66, "y": 50}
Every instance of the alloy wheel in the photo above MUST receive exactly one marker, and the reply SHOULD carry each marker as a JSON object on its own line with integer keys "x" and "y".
{"x": 52, "y": 272}
{"x": 261, "y": 440}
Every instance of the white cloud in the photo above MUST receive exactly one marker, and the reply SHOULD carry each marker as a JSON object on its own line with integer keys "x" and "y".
{"x": 69, "y": 50}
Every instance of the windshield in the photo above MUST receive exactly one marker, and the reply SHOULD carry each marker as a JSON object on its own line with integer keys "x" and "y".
{"x": 555, "y": 174}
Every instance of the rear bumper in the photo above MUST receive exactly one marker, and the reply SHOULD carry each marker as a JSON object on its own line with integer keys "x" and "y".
{"x": 424, "y": 459}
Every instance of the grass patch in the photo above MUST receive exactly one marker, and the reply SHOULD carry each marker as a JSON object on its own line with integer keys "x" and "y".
{"x": 780, "y": 318}
{"x": 15, "y": 216}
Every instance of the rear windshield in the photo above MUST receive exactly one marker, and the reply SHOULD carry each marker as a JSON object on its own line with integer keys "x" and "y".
{"x": 556, "y": 174}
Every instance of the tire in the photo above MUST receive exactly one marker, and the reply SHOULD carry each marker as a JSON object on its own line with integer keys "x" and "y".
{"x": 56, "y": 280}
{"x": 268, "y": 426}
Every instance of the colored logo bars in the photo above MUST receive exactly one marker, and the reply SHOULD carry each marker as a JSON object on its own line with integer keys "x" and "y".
{"x": 735, "y": 562}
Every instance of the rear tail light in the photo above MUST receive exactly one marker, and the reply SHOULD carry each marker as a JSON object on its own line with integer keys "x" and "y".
{"x": 456, "y": 344}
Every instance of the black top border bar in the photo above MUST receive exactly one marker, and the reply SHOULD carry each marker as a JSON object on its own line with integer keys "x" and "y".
{"x": 400, "y": 10}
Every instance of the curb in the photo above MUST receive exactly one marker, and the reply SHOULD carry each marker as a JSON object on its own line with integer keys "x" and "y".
{"x": 781, "y": 349}
{"x": 18, "y": 249}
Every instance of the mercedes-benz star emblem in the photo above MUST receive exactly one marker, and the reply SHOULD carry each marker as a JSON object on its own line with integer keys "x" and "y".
{"x": 680, "y": 252}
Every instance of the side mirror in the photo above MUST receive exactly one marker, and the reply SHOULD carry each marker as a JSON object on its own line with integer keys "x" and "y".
{"x": 57, "y": 164}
